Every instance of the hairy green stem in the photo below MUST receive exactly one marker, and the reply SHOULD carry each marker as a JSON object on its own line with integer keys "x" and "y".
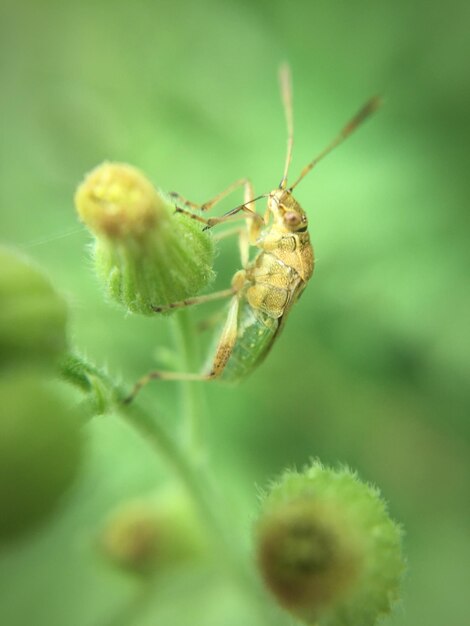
{"x": 200, "y": 489}
{"x": 195, "y": 411}
{"x": 193, "y": 395}
{"x": 84, "y": 375}
{"x": 165, "y": 446}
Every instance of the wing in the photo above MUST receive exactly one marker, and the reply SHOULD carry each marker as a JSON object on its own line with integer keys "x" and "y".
{"x": 256, "y": 334}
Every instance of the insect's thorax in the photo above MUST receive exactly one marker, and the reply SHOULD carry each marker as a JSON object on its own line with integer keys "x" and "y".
{"x": 279, "y": 272}
{"x": 292, "y": 250}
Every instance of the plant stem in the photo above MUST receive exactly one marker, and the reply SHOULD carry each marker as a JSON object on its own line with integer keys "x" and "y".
{"x": 188, "y": 467}
{"x": 164, "y": 445}
{"x": 195, "y": 411}
{"x": 83, "y": 375}
{"x": 199, "y": 487}
{"x": 193, "y": 395}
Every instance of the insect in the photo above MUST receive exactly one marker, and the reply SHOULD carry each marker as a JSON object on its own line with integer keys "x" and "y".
{"x": 266, "y": 288}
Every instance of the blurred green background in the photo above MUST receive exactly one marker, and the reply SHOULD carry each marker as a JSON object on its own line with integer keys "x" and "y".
{"x": 372, "y": 369}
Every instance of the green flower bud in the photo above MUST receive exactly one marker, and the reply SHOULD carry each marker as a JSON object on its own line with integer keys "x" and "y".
{"x": 149, "y": 535}
{"x": 145, "y": 254}
{"x": 40, "y": 448}
{"x": 327, "y": 548}
{"x": 32, "y": 315}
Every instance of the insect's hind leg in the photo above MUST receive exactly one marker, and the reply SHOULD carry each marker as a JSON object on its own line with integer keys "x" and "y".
{"x": 223, "y": 351}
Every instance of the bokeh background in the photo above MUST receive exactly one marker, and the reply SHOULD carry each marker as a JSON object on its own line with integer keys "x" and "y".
{"x": 373, "y": 367}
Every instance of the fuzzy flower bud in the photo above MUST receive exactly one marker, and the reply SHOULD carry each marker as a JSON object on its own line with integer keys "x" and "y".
{"x": 32, "y": 315}
{"x": 40, "y": 450}
{"x": 327, "y": 548}
{"x": 149, "y": 535}
{"x": 145, "y": 254}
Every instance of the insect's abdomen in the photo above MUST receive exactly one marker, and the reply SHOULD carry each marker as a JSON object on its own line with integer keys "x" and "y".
{"x": 256, "y": 333}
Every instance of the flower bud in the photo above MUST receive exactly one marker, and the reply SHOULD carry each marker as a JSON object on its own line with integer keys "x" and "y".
{"x": 40, "y": 449}
{"x": 145, "y": 254}
{"x": 148, "y": 535}
{"x": 327, "y": 548}
{"x": 32, "y": 315}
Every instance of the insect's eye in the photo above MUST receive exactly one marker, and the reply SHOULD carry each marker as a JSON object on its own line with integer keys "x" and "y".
{"x": 292, "y": 219}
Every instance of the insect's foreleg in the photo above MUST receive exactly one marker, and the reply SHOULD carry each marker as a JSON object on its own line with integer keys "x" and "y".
{"x": 193, "y": 216}
{"x": 217, "y": 295}
{"x": 206, "y": 206}
{"x": 251, "y": 220}
{"x": 222, "y": 354}
{"x": 254, "y": 222}
{"x": 182, "y": 200}
{"x": 223, "y": 194}
{"x": 232, "y": 215}
{"x": 249, "y": 233}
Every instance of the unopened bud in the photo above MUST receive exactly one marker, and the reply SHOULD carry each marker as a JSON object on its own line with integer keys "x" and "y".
{"x": 145, "y": 255}
{"x": 40, "y": 450}
{"x": 149, "y": 535}
{"x": 32, "y": 314}
{"x": 327, "y": 548}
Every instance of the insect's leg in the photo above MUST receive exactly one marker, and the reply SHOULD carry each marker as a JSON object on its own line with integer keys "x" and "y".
{"x": 254, "y": 224}
{"x": 193, "y": 216}
{"x": 238, "y": 212}
{"x": 182, "y": 200}
{"x": 241, "y": 211}
{"x": 244, "y": 244}
{"x": 209, "y": 223}
{"x": 231, "y": 215}
{"x": 226, "y": 342}
{"x": 217, "y": 295}
{"x": 247, "y": 234}
{"x": 222, "y": 354}
{"x": 206, "y": 206}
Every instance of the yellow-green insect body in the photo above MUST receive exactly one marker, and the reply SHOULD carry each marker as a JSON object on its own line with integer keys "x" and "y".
{"x": 273, "y": 282}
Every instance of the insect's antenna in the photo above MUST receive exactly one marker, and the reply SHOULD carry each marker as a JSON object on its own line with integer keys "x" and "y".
{"x": 369, "y": 108}
{"x": 240, "y": 207}
{"x": 286, "y": 92}
{"x": 237, "y": 209}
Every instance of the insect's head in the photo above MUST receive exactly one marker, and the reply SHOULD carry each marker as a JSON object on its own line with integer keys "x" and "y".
{"x": 286, "y": 211}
